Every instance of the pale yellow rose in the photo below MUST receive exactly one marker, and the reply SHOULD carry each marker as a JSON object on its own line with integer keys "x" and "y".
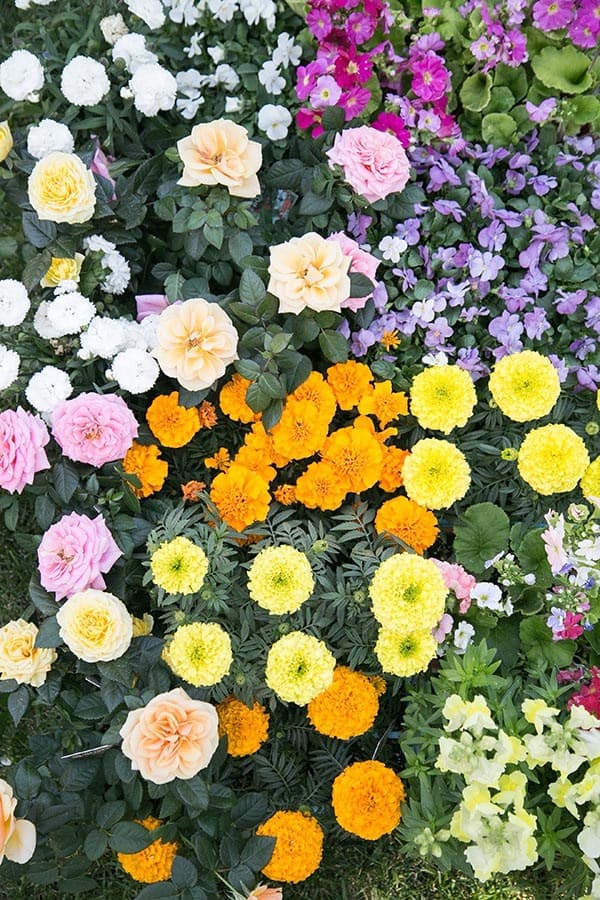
{"x": 61, "y": 189}
{"x": 62, "y": 269}
{"x": 220, "y": 153}
{"x": 195, "y": 342}
{"x": 172, "y": 737}
{"x": 309, "y": 272}
{"x": 6, "y": 140}
{"x": 20, "y": 659}
{"x": 95, "y": 626}
{"x": 17, "y": 836}
{"x": 143, "y": 626}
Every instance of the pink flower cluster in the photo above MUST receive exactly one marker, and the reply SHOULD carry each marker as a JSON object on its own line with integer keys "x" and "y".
{"x": 503, "y": 38}
{"x": 22, "y": 439}
{"x": 94, "y": 428}
{"x": 581, "y": 18}
{"x": 74, "y": 553}
{"x": 458, "y": 581}
{"x": 588, "y": 695}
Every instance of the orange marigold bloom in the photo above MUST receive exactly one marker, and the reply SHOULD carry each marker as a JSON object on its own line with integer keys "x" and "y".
{"x": 390, "y": 339}
{"x": 366, "y": 799}
{"x": 347, "y": 708}
{"x": 413, "y": 524}
{"x": 300, "y": 432}
{"x": 316, "y": 389}
{"x": 191, "y": 490}
{"x": 155, "y": 862}
{"x": 298, "y": 845}
{"x": 171, "y": 424}
{"x": 207, "y": 415}
{"x": 383, "y": 403}
{"x": 232, "y": 400}
{"x": 219, "y": 460}
{"x": 256, "y": 461}
{"x": 286, "y": 494}
{"x": 241, "y": 497}
{"x": 247, "y": 728}
{"x": 391, "y": 470}
{"x": 258, "y": 453}
{"x": 356, "y": 456}
{"x": 349, "y": 382}
{"x": 378, "y": 683}
{"x": 320, "y": 487}
{"x": 143, "y": 460}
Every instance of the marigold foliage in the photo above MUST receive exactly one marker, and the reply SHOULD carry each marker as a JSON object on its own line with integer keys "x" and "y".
{"x": 366, "y": 799}
{"x": 155, "y": 862}
{"x": 298, "y": 845}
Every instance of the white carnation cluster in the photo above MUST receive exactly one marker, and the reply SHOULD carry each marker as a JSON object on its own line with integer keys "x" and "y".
{"x": 132, "y": 50}
{"x": 47, "y": 388}
{"x": 47, "y": 137}
{"x": 128, "y": 346}
{"x": 9, "y": 366}
{"x": 22, "y": 76}
{"x": 84, "y": 81}
{"x": 117, "y": 267}
{"x": 112, "y": 28}
{"x": 152, "y": 87}
{"x": 14, "y": 302}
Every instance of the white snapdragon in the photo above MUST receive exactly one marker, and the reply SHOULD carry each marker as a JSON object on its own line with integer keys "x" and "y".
{"x": 149, "y": 11}
{"x": 274, "y": 121}
{"x": 286, "y": 53}
{"x": 392, "y": 248}
{"x": 84, "y": 81}
{"x": 69, "y": 313}
{"x": 47, "y": 137}
{"x": 112, "y": 28}
{"x": 22, "y": 76}
{"x": 154, "y": 89}
{"x": 271, "y": 79}
{"x": 14, "y": 302}
{"x": 135, "y": 370}
{"x": 47, "y": 388}
{"x": 9, "y": 366}
{"x": 183, "y": 11}
{"x": 132, "y": 50}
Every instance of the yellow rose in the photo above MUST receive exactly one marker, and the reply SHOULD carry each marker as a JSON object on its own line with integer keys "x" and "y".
{"x": 220, "y": 153}
{"x": 95, "y": 626}
{"x": 17, "y": 836}
{"x": 20, "y": 658}
{"x": 62, "y": 269}
{"x": 309, "y": 272}
{"x": 6, "y": 141}
{"x": 143, "y": 626}
{"x": 61, "y": 189}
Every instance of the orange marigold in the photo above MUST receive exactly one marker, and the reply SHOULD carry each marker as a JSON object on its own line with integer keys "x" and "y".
{"x": 349, "y": 381}
{"x": 356, "y": 456}
{"x": 300, "y": 432}
{"x": 285, "y": 494}
{"x": 232, "y": 400}
{"x": 316, "y": 389}
{"x": 383, "y": 403}
{"x": 219, "y": 460}
{"x": 378, "y": 683}
{"x": 155, "y": 862}
{"x": 320, "y": 487}
{"x": 413, "y": 524}
{"x": 143, "y": 460}
{"x": 258, "y": 453}
{"x": 247, "y": 728}
{"x": 171, "y": 424}
{"x": 207, "y": 415}
{"x": 298, "y": 845}
{"x": 191, "y": 490}
{"x": 241, "y": 497}
{"x": 347, "y": 708}
{"x": 366, "y": 799}
{"x": 391, "y": 470}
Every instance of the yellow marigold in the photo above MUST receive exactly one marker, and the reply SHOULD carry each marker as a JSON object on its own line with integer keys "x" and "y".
{"x": 316, "y": 389}
{"x": 171, "y": 424}
{"x": 219, "y": 460}
{"x": 442, "y": 398}
{"x": 241, "y": 497}
{"x": 405, "y": 653}
{"x": 301, "y": 431}
{"x": 552, "y": 459}
{"x": 280, "y": 579}
{"x": 408, "y": 590}
{"x": 285, "y": 494}
{"x": 366, "y": 799}
{"x": 347, "y": 708}
{"x": 179, "y": 566}
{"x": 232, "y": 400}
{"x": 191, "y": 490}
{"x": 143, "y": 461}
{"x": 155, "y": 862}
{"x": 207, "y": 415}
{"x": 436, "y": 474}
{"x": 298, "y": 845}
{"x": 349, "y": 381}
{"x": 383, "y": 403}
{"x": 299, "y": 666}
{"x": 200, "y": 653}
{"x": 356, "y": 456}
{"x": 320, "y": 487}
{"x": 590, "y": 483}
{"x": 246, "y": 728}
{"x": 405, "y": 519}
{"x": 391, "y": 470}
{"x": 62, "y": 269}
{"x": 524, "y": 385}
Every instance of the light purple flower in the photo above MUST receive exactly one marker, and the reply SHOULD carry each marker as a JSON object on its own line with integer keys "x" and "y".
{"x": 540, "y": 114}
{"x": 485, "y": 266}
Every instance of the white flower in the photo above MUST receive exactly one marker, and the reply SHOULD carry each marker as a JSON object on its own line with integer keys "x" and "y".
{"x": 435, "y": 359}
{"x": 147, "y": 330}
{"x": 189, "y": 106}
{"x": 487, "y": 596}
{"x": 392, "y": 248}
{"x": 9, "y": 366}
{"x": 47, "y": 388}
{"x": 134, "y": 336}
{"x": 22, "y": 76}
{"x": 66, "y": 286}
{"x": 135, "y": 370}
{"x": 84, "y": 81}
{"x": 226, "y": 77}
{"x": 154, "y": 88}
{"x": 194, "y": 48}
{"x": 104, "y": 338}
{"x": 183, "y": 11}
{"x": 42, "y": 324}
{"x": 217, "y": 54}
{"x": 286, "y": 52}
{"x": 112, "y": 28}
{"x": 97, "y": 244}
{"x": 14, "y": 302}
{"x": 117, "y": 281}
{"x": 271, "y": 79}
{"x": 274, "y": 121}
{"x": 69, "y": 313}
{"x": 255, "y": 10}
{"x": 149, "y": 11}
{"x": 131, "y": 48}
{"x": 223, "y": 10}
{"x": 47, "y": 137}
{"x": 233, "y": 104}
{"x": 463, "y": 636}
{"x": 189, "y": 83}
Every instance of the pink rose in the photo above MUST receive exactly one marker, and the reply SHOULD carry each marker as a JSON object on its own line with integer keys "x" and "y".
{"x": 458, "y": 580}
{"x": 361, "y": 261}
{"x": 73, "y": 554}
{"x": 94, "y": 428}
{"x": 374, "y": 162}
{"x": 150, "y": 305}
{"x": 22, "y": 439}
{"x": 172, "y": 737}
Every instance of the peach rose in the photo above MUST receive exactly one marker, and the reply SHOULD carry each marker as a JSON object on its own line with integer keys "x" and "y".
{"x": 220, "y": 153}
{"x": 20, "y": 658}
{"x": 172, "y": 737}
{"x": 195, "y": 342}
{"x": 309, "y": 272}
{"x": 264, "y": 892}
{"x": 17, "y": 836}
{"x": 374, "y": 162}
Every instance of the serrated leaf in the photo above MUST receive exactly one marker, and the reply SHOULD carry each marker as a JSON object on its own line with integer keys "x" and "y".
{"x": 66, "y": 479}
{"x": 174, "y": 286}
{"x": 48, "y": 634}
{"x": 95, "y": 844}
{"x": 37, "y": 232}
{"x": 17, "y": 703}
{"x": 129, "y": 837}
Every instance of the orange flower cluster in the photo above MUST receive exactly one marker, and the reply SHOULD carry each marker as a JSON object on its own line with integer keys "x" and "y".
{"x": 405, "y": 519}
{"x": 246, "y": 728}
{"x": 366, "y": 799}
{"x": 347, "y": 708}
{"x": 175, "y": 425}
{"x": 155, "y": 862}
{"x": 142, "y": 460}
{"x": 298, "y": 845}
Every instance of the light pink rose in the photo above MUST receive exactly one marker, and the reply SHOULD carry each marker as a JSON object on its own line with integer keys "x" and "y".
{"x": 150, "y": 305}
{"x": 361, "y": 261}
{"x": 172, "y": 737}
{"x": 74, "y": 553}
{"x": 458, "y": 580}
{"x": 374, "y": 162}
{"x": 94, "y": 428}
{"x": 17, "y": 836}
{"x": 22, "y": 439}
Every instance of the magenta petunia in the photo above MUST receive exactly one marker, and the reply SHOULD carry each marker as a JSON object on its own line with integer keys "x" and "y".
{"x": 23, "y": 437}
{"x": 94, "y": 428}
{"x": 430, "y": 77}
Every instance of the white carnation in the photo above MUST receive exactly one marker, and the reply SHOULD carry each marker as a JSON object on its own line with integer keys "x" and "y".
{"x": 270, "y": 78}
{"x": 84, "y": 81}
{"x": 149, "y": 11}
{"x": 9, "y": 366}
{"x": 147, "y": 328}
{"x": 226, "y": 77}
{"x": 104, "y": 337}
{"x": 14, "y": 302}
{"x": 274, "y": 121}
{"x": 112, "y": 28}
{"x": 95, "y": 243}
{"x": 119, "y": 276}
{"x": 42, "y": 324}
{"x": 135, "y": 370}
{"x": 47, "y": 388}
{"x": 47, "y": 137}
{"x": 22, "y": 76}
{"x": 69, "y": 313}
{"x": 134, "y": 337}
{"x": 131, "y": 48}
{"x": 154, "y": 88}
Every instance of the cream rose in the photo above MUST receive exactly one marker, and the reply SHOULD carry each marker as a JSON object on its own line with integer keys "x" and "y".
{"x": 17, "y": 836}
{"x": 95, "y": 626}
{"x": 220, "y": 153}
{"x": 6, "y": 140}
{"x": 195, "y": 342}
{"x": 20, "y": 659}
{"x": 309, "y": 272}
{"x": 172, "y": 737}
{"x": 61, "y": 189}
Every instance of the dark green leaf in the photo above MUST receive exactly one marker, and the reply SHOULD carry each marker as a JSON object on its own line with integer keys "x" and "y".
{"x": 38, "y": 233}
{"x": 95, "y": 844}
{"x": 481, "y": 533}
{"x": 18, "y": 702}
{"x": 48, "y": 635}
{"x": 334, "y": 346}
{"x": 129, "y": 837}
{"x": 252, "y": 288}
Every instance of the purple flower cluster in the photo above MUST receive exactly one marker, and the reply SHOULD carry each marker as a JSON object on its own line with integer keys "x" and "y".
{"x": 581, "y": 17}
{"x": 502, "y": 39}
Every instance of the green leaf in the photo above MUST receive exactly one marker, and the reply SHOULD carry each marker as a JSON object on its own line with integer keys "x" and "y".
{"x": 48, "y": 634}
{"x": 78, "y": 885}
{"x": 305, "y": 329}
{"x": 192, "y": 792}
{"x": 279, "y": 342}
{"x": 333, "y": 118}
{"x": 27, "y": 781}
{"x": 271, "y": 386}
{"x": 315, "y": 204}
{"x": 248, "y": 368}
{"x": 250, "y": 810}
{"x": 480, "y": 534}
{"x": 531, "y": 553}
{"x": 214, "y": 234}
{"x": 536, "y": 638}
{"x": 256, "y": 399}
{"x": 18, "y": 702}
{"x": 240, "y": 246}
{"x": 161, "y": 891}
{"x": 129, "y": 837}
{"x": 475, "y": 92}
{"x": 35, "y": 269}
{"x": 65, "y": 479}
{"x": 498, "y": 129}
{"x": 582, "y": 110}
{"x": 252, "y": 288}
{"x": 563, "y": 68}
{"x": 45, "y": 511}
{"x": 184, "y": 873}
{"x": 38, "y": 233}
{"x": 334, "y": 346}
{"x": 286, "y": 173}
{"x": 95, "y": 844}
{"x": 190, "y": 399}
{"x": 360, "y": 285}
{"x": 174, "y": 286}
{"x": 257, "y": 852}
{"x": 110, "y": 813}
{"x": 272, "y": 414}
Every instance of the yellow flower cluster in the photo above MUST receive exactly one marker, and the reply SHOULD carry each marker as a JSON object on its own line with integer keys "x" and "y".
{"x": 366, "y": 799}
{"x": 280, "y": 579}
{"x": 245, "y": 727}
{"x": 524, "y": 385}
{"x": 299, "y": 667}
{"x": 200, "y": 653}
{"x": 552, "y": 459}
{"x": 155, "y": 862}
{"x": 404, "y": 653}
{"x": 179, "y": 566}
{"x": 347, "y": 708}
{"x": 298, "y": 845}
{"x": 408, "y": 591}
{"x": 442, "y": 398}
{"x": 436, "y": 474}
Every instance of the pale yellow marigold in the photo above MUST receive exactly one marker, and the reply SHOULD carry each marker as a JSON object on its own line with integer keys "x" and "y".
{"x": 552, "y": 459}
{"x": 436, "y": 474}
{"x": 405, "y": 653}
{"x": 590, "y": 483}
{"x": 298, "y": 845}
{"x": 524, "y": 385}
{"x": 366, "y": 799}
{"x": 280, "y": 579}
{"x": 442, "y": 398}
{"x": 20, "y": 659}
{"x": 347, "y": 708}
{"x": 179, "y": 566}
{"x": 299, "y": 667}
{"x": 200, "y": 653}
{"x": 246, "y": 727}
{"x": 408, "y": 591}
{"x": 155, "y": 862}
